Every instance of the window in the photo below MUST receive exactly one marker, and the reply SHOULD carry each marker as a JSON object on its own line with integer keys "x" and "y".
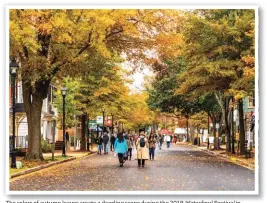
{"x": 53, "y": 95}
{"x": 251, "y": 101}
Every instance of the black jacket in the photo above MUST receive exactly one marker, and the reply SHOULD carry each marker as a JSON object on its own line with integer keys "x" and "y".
{"x": 112, "y": 139}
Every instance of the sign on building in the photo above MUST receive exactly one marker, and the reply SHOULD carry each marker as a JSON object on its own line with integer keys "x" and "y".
{"x": 92, "y": 124}
{"x": 108, "y": 122}
{"x": 99, "y": 120}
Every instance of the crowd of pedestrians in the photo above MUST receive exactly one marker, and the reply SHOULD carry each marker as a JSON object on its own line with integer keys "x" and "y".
{"x": 123, "y": 144}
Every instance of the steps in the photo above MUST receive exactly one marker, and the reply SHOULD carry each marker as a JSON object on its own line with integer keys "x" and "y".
{"x": 58, "y": 145}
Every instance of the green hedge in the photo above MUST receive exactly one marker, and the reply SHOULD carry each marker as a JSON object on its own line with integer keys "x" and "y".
{"x": 45, "y": 146}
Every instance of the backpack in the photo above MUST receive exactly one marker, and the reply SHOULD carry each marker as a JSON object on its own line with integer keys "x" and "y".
{"x": 142, "y": 142}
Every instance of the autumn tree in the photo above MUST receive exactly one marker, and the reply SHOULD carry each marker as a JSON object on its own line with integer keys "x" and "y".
{"x": 72, "y": 104}
{"x": 217, "y": 42}
{"x": 199, "y": 122}
{"x": 208, "y": 103}
{"x": 141, "y": 115}
{"x": 101, "y": 87}
{"x": 162, "y": 93}
{"x": 51, "y": 42}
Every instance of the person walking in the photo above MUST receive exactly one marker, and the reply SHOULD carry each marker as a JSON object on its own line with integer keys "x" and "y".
{"x": 130, "y": 144}
{"x": 152, "y": 145}
{"x": 160, "y": 141}
{"x": 112, "y": 141}
{"x": 120, "y": 147}
{"x": 67, "y": 137}
{"x": 174, "y": 138}
{"x": 142, "y": 149}
{"x": 168, "y": 140}
{"x": 105, "y": 141}
{"x": 99, "y": 143}
{"x": 89, "y": 143}
{"x": 135, "y": 137}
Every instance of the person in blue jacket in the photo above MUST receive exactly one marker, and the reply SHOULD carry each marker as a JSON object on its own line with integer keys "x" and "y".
{"x": 120, "y": 147}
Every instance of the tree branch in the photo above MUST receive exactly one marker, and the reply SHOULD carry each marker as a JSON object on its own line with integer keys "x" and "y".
{"x": 87, "y": 45}
{"x": 114, "y": 33}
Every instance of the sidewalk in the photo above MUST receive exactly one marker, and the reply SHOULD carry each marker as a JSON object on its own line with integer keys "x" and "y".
{"x": 237, "y": 159}
{"x": 76, "y": 154}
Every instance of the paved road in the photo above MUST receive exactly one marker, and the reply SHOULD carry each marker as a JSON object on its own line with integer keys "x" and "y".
{"x": 179, "y": 168}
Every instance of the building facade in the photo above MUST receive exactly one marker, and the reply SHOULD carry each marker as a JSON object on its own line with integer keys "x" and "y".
{"x": 48, "y": 117}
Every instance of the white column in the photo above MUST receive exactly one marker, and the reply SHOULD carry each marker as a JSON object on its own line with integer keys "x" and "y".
{"x": 44, "y": 129}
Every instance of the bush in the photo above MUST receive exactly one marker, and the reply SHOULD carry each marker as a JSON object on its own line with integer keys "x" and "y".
{"x": 45, "y": 146}
{"x": 20, "y": 152}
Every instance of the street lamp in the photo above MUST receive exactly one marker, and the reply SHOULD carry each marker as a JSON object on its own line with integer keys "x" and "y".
{"x": 64, "y": 93}
{"x": 103, "y": 111}
{"x": 13, "y": 72}
{"x": 232, "y": 125}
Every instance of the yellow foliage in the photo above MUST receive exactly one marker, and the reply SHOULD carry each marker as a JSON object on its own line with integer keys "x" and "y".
{"x": 249, "y": 60}
{"x": 170, "y": 45}
{"x": 199, "y": 120}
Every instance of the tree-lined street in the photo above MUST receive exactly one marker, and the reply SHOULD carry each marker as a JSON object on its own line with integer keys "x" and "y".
{"x": 133, "y": 78}
{"x": 179, "y": 168}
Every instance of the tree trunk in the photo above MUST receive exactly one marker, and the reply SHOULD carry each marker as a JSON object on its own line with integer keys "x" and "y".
{"x": 216, "y": 146}
{"x": 86, "y": 132}
{"x": 83, "y": 143}
{"x": 227, "y": 127}
{"x": 220, "y": 118}
{"x": 33, "y": 101}
{"x": 75, "y": 136}
{"x": 187, "y": 130}
{"x": 224, "y": 104}
{"x": 192, "y": 133}
{"x": 242, "y": 127}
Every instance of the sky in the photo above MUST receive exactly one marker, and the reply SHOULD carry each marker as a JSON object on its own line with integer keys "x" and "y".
{"x": 141, "y": 71}
{"x": 138, "y": 78}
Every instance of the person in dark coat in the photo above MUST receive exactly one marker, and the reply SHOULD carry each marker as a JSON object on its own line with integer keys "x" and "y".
{"x": 99, "y": 143}
{"x": 160, "y": 141}
{"x": 130, "y": 144}
{"x": 112, "y": 141}
{"x": 67, "y": 139}
{"x": 105, "y": 141}
{"x": 152, "y": 145}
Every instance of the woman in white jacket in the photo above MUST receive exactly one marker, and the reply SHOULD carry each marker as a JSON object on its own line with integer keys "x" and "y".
{"x": 168, "y": 140}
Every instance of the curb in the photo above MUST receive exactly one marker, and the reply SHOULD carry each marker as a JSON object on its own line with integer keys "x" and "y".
{"x": 225, "y": 157}
{"x": 37, "y": 168}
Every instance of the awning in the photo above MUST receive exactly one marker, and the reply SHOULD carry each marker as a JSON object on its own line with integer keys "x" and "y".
{"x": 180, "y": 131}
{"x": 165, "y": 131}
